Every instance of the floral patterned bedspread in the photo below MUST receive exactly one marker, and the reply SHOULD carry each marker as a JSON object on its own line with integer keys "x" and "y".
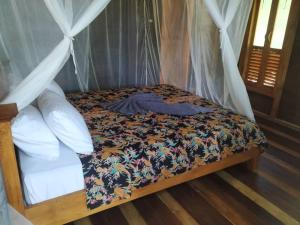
{"x": 132, "y": 151}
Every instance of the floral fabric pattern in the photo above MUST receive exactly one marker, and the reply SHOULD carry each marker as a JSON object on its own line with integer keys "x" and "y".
{"x": 132, "y": 151}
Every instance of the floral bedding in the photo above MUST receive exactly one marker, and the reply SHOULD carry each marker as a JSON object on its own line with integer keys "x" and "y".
{"x": 132, "y": 151}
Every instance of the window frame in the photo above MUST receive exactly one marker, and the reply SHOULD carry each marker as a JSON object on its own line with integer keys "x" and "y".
{"x": 274, "y": 92}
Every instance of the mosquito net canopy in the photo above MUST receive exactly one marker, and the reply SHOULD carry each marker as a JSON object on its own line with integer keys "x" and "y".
{"x": 99, "y": 44}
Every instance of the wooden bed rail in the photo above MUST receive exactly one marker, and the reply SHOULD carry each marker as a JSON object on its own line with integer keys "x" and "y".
{"x": 8, "y": 160}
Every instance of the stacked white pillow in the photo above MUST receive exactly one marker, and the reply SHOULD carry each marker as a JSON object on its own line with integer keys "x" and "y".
{"x": 37, "y": 133}
{"x": 53, "y": 86}
{"x": 65, "y": 122}
{"x": 32, "y": 135}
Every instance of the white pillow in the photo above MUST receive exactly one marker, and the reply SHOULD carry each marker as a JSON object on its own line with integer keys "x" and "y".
{"x": 65, "y": 122}
{"x": 32, "y": 135}
{"x": 53, "y": 86}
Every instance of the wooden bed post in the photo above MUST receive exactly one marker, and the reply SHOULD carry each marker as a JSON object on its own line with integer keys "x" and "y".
{"x": 252, "y": 164}
{"x": 8, "y": 160}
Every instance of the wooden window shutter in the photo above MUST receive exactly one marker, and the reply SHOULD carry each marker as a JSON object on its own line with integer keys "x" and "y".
{"x": 270, "y": 75}
{"x": 254, "y": 65}
{"x": 264, "y": 61}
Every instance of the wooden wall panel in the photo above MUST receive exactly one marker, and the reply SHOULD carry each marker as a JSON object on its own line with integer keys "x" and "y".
{"x": 289, "y": 108}
{"x": 260, "y": 102}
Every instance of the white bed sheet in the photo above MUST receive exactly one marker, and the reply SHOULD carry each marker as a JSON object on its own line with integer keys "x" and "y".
{"x": 44, "y": 180}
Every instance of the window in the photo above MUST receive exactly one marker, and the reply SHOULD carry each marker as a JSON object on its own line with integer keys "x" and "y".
{"x": 266, "y": 44}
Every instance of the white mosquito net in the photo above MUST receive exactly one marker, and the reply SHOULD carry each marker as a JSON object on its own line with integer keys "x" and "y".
{"x": 99, "y": 44}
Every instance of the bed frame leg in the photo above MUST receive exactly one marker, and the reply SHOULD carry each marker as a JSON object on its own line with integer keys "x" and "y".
{"x": 252, "y": 164}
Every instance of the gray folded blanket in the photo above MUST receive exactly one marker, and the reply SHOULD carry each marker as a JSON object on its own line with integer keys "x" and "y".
{"x": 141, "y": 103}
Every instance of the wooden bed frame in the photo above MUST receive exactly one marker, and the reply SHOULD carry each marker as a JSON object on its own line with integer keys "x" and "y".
{"x": 72, "y": 206}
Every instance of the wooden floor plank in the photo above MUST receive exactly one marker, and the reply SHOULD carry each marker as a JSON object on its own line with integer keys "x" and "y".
{"x": 131, "y": 214}
{"x": 258, "y": 199}
{"x": 285, "y": 157}
{"x": 275, "y": 132}
{"x": 278, "y": 183}
{"x": 276, "y": 171}
{"x": 283, "y": 141}
{"x": 196, "y": 206}
{"x": 155, "y": 212}
{"x": 176, "y": 208}
{"x": 267, "y": 190}
{"x": 112, "y": 216}
{"x": 278, "y": 124}
{"x": 231, "y": 203}
{"x": 284, "y": 148}
{"x": 282, "y": 163}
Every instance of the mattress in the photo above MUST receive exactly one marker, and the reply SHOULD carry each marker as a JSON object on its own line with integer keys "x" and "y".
{"x": 132, "y": 151}
{"x": 43, "y": 180}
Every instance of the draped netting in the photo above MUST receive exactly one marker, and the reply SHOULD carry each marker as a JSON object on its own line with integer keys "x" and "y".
{"x": 99, "y": 44}
{"x": 38, "y": 39}
{"x": 124, "y": 49}
{"x": 216, "y": 31}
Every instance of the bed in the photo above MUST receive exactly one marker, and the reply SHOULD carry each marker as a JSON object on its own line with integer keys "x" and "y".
{"x": 136, "y": 155}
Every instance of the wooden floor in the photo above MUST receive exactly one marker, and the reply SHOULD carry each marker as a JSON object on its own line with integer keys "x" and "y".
{"x": 271, "y": 195}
